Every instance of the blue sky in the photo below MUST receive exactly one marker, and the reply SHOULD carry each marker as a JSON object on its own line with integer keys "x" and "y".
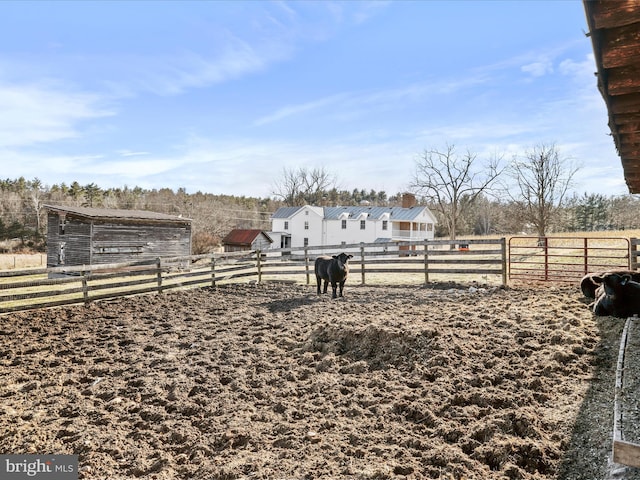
{"x": 220, "y": 97}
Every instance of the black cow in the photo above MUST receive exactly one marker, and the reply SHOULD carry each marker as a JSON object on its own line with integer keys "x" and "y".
{"x": 332, "y": 269}
{"x": 588, "y": 286}
{"x": 617, "y": 295}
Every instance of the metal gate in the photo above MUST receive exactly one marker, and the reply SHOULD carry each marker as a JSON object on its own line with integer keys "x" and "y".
{"x": 565, "y": 259}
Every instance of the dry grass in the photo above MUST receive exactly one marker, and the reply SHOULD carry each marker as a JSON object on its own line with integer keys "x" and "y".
{"x": 17, "y": 261}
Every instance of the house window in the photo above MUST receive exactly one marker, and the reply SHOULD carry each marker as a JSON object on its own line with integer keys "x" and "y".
{"x": 306, "y": 242}
{"x": 385, "y": 224}
{"x": 306, "y": 225}
{"x": 344, "y": 224}
{"x": 363, "y": 224}
{"x": 429, "y": 227}
{"x": 286, "y": 225}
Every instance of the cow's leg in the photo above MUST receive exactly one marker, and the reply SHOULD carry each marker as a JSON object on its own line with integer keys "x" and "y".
{"x": 600, "y": 307}
{"x": 341, "y": 287}
{"x": 334, "y": 287}
{"x": 319, "y": 281}
{"x": 326, "y": 284}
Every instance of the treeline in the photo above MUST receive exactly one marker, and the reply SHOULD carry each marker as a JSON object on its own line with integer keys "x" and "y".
{"x": 580, "y": 213}
{"x": 23, "y": 217}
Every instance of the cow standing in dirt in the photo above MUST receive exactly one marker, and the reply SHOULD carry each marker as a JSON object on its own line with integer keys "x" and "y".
{"x": 332, "y": 269}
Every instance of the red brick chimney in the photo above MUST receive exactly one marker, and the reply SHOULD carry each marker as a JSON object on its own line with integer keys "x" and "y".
{"x": 408, "y": 200}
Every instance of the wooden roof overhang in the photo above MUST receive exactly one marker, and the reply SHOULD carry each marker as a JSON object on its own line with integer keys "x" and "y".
{"x": 614, "y": 27}
{"x": 110, "y": 214}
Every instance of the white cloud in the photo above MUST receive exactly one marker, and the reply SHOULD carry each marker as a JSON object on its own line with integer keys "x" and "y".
{"x": 35, "y": 114}
{"x": 538, "y": 69}
{"x": 351, "y": 104}
{"x": 290, "y": 110}
{"x": 129, "y": 153}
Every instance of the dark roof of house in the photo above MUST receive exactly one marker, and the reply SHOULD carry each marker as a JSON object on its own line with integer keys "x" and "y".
{"x": 117, "y": 214}
{"x": 241, "y": 236}
{"x": 614, "y": 27}
{"x": 397, "y": 214}
{"x": 286, "y": 212}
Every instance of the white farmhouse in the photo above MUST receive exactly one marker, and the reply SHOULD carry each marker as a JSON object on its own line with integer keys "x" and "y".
{"x": 295, "y": 227}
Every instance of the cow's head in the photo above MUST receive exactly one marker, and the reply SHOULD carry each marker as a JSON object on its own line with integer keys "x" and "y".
{"x": 611, "y": 282}
{"x": 343, "y": 257}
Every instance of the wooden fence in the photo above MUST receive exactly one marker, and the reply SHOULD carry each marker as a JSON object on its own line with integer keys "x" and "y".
{"x": 385, "y": 263}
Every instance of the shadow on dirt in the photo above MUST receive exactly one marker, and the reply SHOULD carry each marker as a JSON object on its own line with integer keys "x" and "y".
{"x": 289, "y": 304}
{"x": 589, "y": 450}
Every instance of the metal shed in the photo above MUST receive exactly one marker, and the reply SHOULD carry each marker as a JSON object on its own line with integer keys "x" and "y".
{"x": 90, "y": 236}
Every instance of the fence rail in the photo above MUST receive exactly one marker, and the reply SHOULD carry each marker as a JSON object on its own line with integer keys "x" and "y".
{"x": 563, "y": 259}
{"x": 394, "y": 262}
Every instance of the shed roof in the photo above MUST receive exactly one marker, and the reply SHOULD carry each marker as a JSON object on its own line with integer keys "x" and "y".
{"x": 614, "y": 28}
{"x": 117, "y": 214}
{"x": 241, "y": 236}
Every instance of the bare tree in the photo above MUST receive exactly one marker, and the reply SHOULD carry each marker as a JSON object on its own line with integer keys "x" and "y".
{"x": 303, "y": 187}
{"x": 452, "y": 182}
{"x": 542, "y": 178}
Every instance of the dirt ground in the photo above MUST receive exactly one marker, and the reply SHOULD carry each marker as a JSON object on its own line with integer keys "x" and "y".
{"x": 273, "y": 382}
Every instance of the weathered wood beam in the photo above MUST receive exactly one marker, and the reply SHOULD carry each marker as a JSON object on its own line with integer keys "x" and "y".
{"x": 620, "y": 46}
{"x": 623, "y": 80}
{"x": 609, "y": 14}
{"x": 629, "y": 103}
{"x": 628, "y": 128}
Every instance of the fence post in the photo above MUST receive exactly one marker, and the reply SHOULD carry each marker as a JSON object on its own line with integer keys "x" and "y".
{"x": 633, "y": 253}
{"x": 159, "y": 273}
{"x": 259, "y": 265}
{"x": 362, "y": 260}
{"x": 85, "y": 288}
{"x": 503, "y": 247}
{"x": 426, "y": 261}
{"x": 306, "y": 263}
{"x": 544, "y": 243}
{"x": 213, "y": 270}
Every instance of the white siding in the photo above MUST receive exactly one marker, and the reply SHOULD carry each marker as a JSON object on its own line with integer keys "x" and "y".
{"x": 353, "y": 233}
{"x": 308, "y": 222}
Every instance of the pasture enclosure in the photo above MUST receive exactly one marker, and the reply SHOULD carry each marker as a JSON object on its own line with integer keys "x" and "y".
{"x": 483, "y": 261}
{"x": 270, "y": 381}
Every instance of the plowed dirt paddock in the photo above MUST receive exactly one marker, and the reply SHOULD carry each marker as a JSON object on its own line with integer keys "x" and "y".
{"x": 272, "y": 382}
